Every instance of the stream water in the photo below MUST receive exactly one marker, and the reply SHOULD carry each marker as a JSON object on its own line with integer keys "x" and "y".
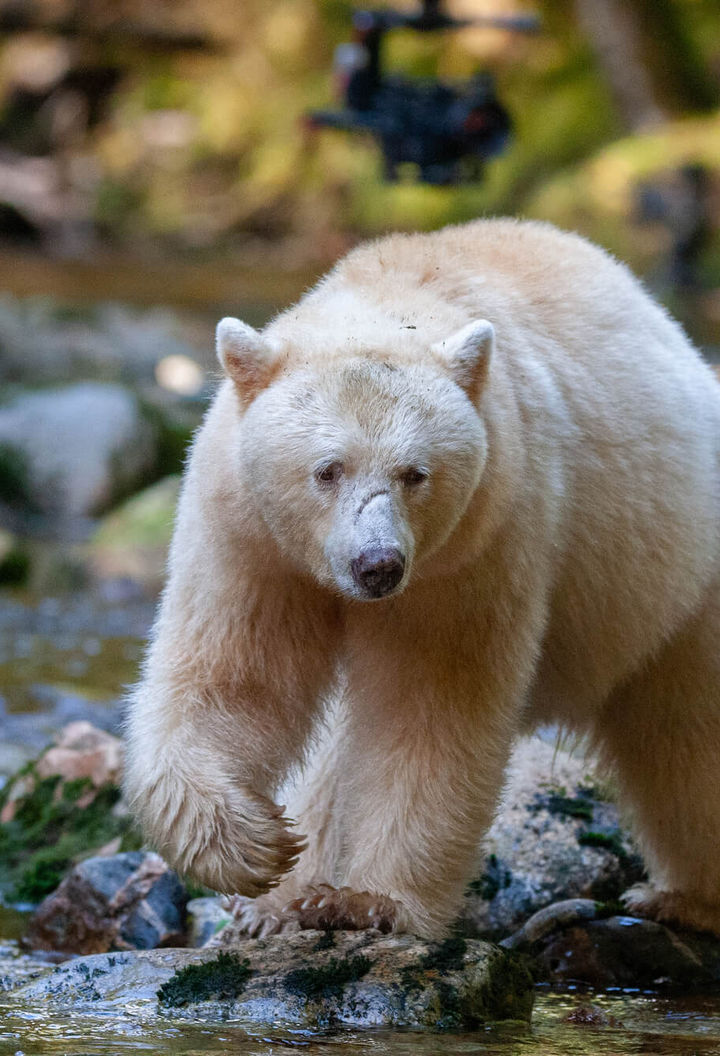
{"x": 634, "y": 1024}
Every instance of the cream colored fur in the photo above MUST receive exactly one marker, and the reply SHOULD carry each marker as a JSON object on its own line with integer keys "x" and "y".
{"x": 562, "y": 555}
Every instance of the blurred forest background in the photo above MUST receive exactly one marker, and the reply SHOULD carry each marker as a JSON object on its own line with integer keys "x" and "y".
{"x": 173, "y": 130}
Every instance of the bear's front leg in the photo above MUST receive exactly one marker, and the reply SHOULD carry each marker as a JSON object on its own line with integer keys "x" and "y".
{"x": 433, "y": 708}
{"x": 229, "y": 697}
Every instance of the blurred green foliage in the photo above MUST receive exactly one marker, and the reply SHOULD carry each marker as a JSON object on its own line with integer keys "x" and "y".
{"x": 194, "y": 135}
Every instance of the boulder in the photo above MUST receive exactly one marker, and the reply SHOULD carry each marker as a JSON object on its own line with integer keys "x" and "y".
{"x": 60, "y": 809}
{"x": 307, "y": 980}
{"x": 68, "y": 452}
{"x": 578, "y": 942}
{"x": 127, "y": 901}
{"x": 556, "y": 836}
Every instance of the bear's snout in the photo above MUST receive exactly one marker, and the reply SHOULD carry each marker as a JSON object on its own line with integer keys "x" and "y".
{"x": 378, "y": 570}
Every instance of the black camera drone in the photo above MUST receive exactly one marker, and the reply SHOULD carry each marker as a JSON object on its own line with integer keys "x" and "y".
{"x": 447, "y": 130}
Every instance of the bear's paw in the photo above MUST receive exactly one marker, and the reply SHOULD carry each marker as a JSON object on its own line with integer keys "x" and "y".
{"x": 673, "y": 908}
{"x": 341, "y": 909}
{"x": 233, "y": 840}
{"x": 257, "y": 918}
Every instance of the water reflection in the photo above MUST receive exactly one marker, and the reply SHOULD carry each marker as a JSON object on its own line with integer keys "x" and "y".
{"x": 649, "y": 1025}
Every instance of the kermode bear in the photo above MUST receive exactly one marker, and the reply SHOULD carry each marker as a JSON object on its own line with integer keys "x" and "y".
{"x": 468, "y": 484}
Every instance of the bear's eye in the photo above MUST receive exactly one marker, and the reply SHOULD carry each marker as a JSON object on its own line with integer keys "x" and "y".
{"x": 413, "y": 476}
{"x": 330, "y": 473}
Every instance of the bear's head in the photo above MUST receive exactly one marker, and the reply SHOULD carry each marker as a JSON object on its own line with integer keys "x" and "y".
{"x": 361, "y": 465}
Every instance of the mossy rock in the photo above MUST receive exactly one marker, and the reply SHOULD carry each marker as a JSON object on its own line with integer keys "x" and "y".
{"x": 51, "y": 827}
{"x": 362, "y": 980}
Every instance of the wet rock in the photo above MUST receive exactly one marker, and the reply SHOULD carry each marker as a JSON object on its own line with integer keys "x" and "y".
{"x": 577, "y": 941}
{"x": 205, "y": 917}
{"x": 556, "y": 836}
{"x": 68, "y": 452}
{"x": 627, "y": 952}
{"x": 18, "y": 967}
{"x": 551, "y": 919}
{"x": 306, "y": 980}
{"x": 128, "y": 901}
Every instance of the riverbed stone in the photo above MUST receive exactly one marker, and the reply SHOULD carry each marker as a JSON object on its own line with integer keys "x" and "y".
{"x": 68, "y": 452}
{"x": 310, "y": 979}
{"x": 125, "y": 901}
{"x": 205, "y": 917}
{"x": 577, "y": 942}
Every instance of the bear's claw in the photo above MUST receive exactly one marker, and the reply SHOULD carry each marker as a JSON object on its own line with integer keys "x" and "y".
{"x": 673, "y": 908}
{"x": 342, "y": 909}
{"x": 258, "y": 918}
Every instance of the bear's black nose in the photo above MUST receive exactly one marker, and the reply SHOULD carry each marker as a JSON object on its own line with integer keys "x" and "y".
{"x": 378, "y": 571}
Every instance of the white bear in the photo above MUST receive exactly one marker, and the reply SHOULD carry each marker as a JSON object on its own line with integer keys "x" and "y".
{"x": 469, "y": 483}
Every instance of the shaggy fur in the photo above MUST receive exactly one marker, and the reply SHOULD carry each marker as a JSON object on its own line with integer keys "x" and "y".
{"x": 505, "y": 408}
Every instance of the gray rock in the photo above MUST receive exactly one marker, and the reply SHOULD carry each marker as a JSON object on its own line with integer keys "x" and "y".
{"x": 305, "y": 980}
{"x": 127, "y": 901}
{"x": 205, "y": 917}
{"x": 68, "y": 452}
{"x": 18, "y": 967}
{"x": 555, "y": 837}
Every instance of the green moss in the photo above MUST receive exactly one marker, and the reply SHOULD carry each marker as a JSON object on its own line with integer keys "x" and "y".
{"x": 50, "y": 832}
{"x": 325, "y": 942}
{"x": 328, "y": 980}
{"x": 15, "y": 568}
{"x": 607, "y": 841}
{"x": 502, "y": 988}
{"x": 14, "y": 478}
{"x": 445, "y": 1011}
{"x": 223, "y": 979}
{"x": 507, "y": 991}
{"x": 446, "y": 956}
{"x": 571, "y": 806}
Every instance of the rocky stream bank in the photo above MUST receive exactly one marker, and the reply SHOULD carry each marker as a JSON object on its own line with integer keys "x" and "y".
{"x": 128, "y": 933}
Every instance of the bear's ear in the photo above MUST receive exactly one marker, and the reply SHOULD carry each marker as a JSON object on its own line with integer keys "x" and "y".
{"x": 467, "y": 354}
{"x": 246, "y": 356}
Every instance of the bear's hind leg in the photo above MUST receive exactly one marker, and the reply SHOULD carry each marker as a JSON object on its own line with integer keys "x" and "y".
{"x": 661, "y": 734}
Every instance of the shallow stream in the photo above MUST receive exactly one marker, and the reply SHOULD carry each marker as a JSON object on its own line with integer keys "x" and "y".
{"x": 634, "y": 1024}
